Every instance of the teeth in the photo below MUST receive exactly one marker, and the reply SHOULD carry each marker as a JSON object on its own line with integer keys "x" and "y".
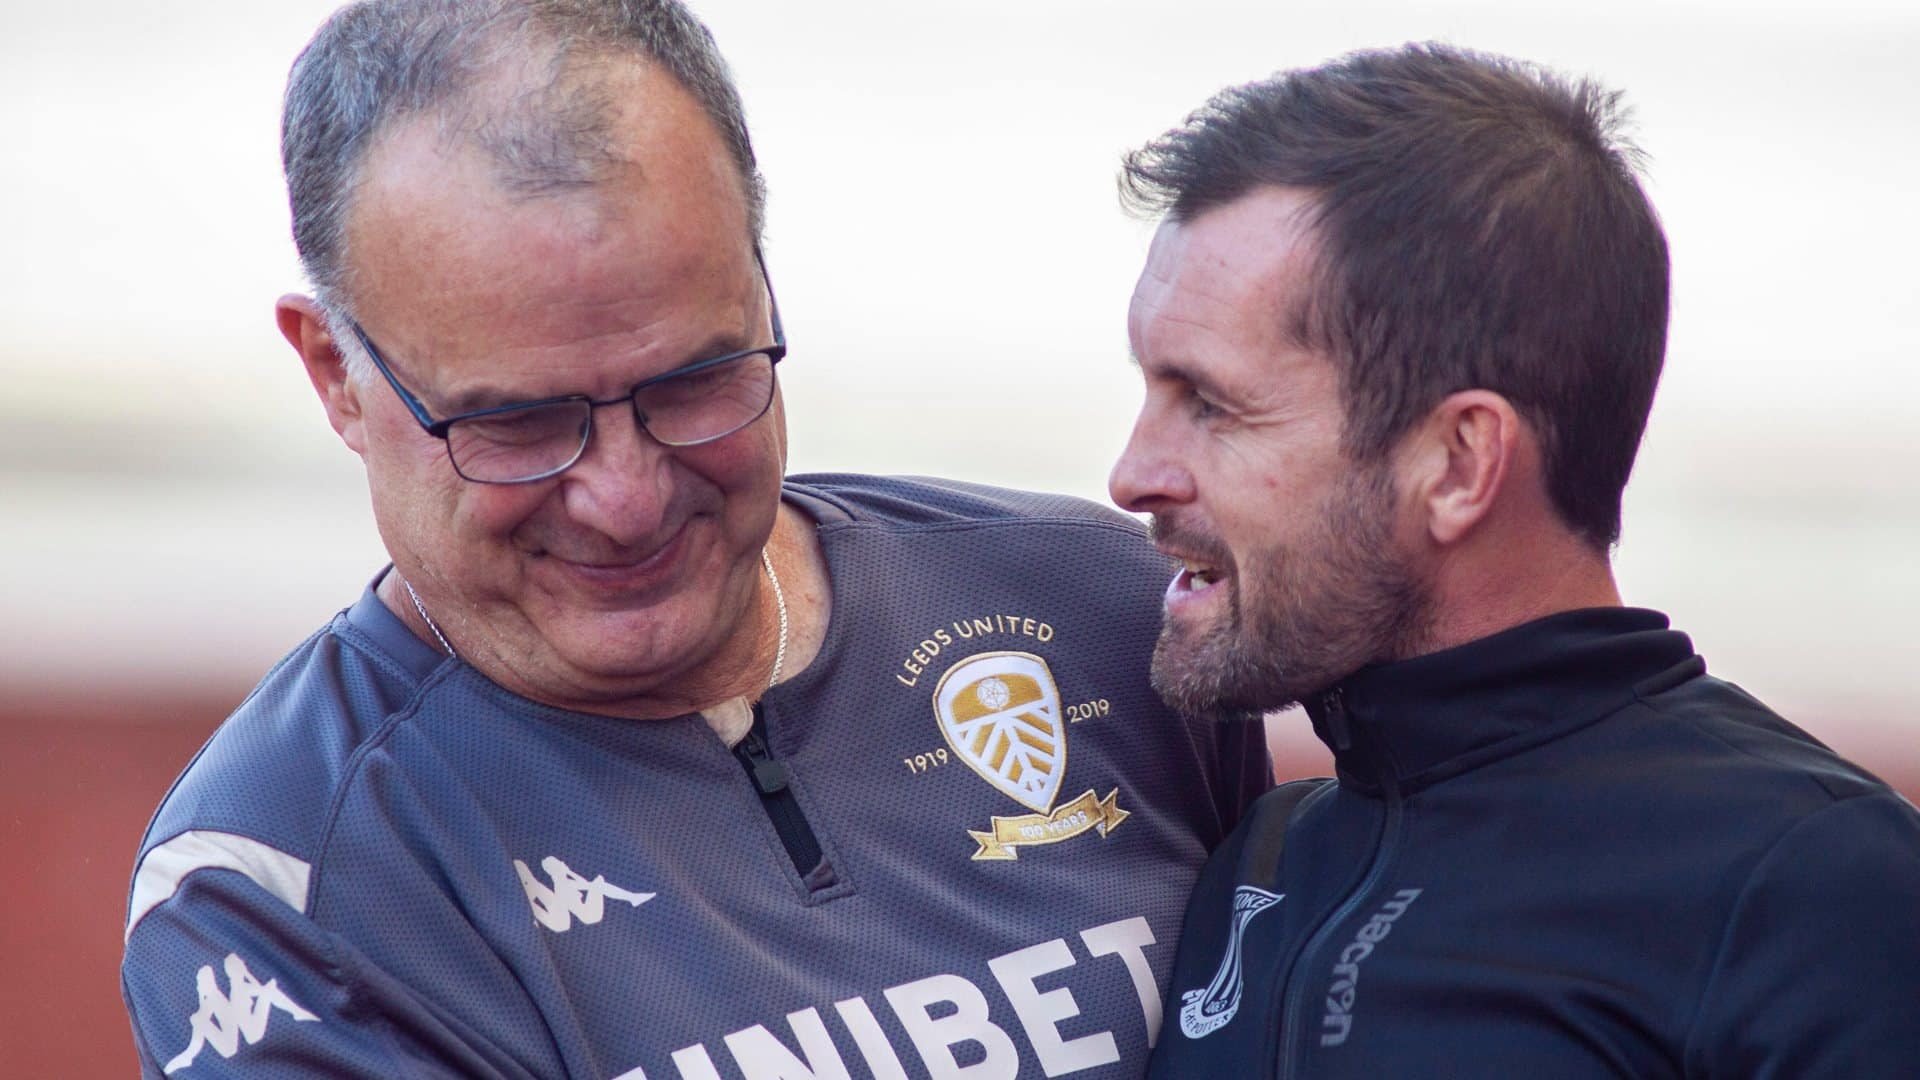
{"x": 1198, "y": 577}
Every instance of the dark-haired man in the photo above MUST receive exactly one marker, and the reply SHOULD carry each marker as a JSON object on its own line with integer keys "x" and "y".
{"x": 1400, "y": 331}
{"x": 643, "y": 760}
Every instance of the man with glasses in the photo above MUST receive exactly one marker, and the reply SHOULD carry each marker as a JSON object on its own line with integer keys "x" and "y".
{"x": 527, "y": 441}
{"x": 642, "y": 759}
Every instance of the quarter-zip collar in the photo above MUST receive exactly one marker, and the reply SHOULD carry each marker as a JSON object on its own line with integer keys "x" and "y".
{"x": 1405, "y": 725}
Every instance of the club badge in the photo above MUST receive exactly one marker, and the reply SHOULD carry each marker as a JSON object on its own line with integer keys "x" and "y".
{"x": 1000, "y": 712}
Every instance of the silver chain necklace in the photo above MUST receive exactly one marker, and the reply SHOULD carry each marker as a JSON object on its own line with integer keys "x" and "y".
{"x": 779, "y": 600}
{"x": 431, "y": 625}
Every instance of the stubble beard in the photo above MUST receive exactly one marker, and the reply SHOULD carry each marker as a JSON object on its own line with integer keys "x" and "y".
{"x": 1318, "y": 611}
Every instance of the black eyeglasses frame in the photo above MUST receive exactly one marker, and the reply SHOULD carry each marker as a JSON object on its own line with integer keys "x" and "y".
{"x": 775, "y": 353}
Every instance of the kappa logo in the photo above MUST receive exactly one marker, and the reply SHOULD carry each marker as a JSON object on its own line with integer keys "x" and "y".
{"x": 224, "y": 1020}
{"x": 1204, "y": 1011}
{"x": 571, "y": 896}
{"x": 1000, "y": 712}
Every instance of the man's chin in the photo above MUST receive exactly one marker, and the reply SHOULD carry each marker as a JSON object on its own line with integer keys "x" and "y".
{"x": 1208, "y": 684}
{"x": 624, "y": 645}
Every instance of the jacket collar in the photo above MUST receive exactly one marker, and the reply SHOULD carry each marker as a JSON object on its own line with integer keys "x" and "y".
{"x": 1402, "y": 726}
{"x": 371, "y": 616}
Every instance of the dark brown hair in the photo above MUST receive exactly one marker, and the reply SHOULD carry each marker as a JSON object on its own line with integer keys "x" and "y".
{"x": 1479, "y": 225}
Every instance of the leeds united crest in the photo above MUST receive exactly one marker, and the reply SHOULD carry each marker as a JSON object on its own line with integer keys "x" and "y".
{"x": 1000, "y": 712}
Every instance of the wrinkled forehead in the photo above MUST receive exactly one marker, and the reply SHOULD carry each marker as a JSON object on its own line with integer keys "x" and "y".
{"x": 436, "y": 221}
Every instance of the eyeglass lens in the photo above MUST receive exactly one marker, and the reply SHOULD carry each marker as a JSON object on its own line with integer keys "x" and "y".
{"x": 538, "y": 440}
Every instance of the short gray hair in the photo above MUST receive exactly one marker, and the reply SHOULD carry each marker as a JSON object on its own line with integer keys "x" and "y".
{"x": 376, "y": 61}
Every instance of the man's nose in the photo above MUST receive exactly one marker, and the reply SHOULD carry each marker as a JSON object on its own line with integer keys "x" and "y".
{"x": 1149, "y": 474}
{"x": 620, "y": 486}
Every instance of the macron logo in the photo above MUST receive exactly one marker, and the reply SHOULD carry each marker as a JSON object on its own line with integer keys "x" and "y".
{"x": 570, "y": 896}
{"x": 1345, "y": 990}
{"x": 223, "y": 1020}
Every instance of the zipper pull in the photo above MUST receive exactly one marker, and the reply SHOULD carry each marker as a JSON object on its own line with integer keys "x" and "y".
{"x": 1336, "y": 704}
{"x": 769, "y": 776}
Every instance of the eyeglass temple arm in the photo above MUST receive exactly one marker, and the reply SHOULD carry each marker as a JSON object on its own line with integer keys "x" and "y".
{"x": 773, "y": 302}
{"x": 414, "y": 405}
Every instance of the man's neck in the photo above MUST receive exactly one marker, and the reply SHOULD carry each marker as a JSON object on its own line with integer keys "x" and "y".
{"x": 1492, "y": 589}
{"x": 802, "y": 566}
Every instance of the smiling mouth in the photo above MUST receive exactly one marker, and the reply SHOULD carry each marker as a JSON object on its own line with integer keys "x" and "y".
{"x": 623, "y": 572}
{"x": 1197, "y": 576}
{"x": 1194, "y": 578}
{"x": 1205, "y": 563}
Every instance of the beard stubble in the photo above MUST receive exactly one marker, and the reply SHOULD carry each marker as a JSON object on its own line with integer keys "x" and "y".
{"x": 1301, "y": 617}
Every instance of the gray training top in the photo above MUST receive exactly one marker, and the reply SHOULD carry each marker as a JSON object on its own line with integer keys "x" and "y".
{"x": 957, "y": 844}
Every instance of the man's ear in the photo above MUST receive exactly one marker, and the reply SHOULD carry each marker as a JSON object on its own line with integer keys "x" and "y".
{"x": 1460, "y": 461}
{"x": 305, "y": 328}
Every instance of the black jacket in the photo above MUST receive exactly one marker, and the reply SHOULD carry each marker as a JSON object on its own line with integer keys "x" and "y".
{"x": 1560, "y": 851}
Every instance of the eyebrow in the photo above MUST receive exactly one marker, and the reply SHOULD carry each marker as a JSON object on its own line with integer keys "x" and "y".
{"x": 1181, "y": 372}
{"x": 482, "y": 396}
{"x": 486, "y": 395}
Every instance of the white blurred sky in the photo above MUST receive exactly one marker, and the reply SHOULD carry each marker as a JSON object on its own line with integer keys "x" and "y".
{"x": 954, "y": 271}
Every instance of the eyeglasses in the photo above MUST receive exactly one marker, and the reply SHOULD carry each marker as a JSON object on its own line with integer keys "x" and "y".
{"x": 528, "y": 441}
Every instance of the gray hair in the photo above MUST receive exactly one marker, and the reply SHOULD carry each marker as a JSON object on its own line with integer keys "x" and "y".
{"x": 376, "y": 61}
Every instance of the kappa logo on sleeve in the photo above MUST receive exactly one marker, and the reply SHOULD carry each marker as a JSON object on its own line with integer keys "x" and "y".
{"x": 1001, "y": 714}
{"x": 224, "y": 1020}
{"x": 570, "y": 896}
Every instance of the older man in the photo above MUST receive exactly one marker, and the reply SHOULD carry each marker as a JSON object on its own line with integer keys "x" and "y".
{"x": 638, "y": 761}
{"x": 1400, "y": 331}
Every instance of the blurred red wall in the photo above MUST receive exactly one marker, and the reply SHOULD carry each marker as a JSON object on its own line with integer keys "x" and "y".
{"x": 80, "y": 775}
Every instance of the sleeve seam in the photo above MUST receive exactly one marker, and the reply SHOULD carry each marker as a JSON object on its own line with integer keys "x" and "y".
{"x": 1653, "y": 704}
{"x": 350, "y": 774}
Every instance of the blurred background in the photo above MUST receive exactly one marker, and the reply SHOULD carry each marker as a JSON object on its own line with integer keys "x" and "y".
{"x": 175, "y": 513}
